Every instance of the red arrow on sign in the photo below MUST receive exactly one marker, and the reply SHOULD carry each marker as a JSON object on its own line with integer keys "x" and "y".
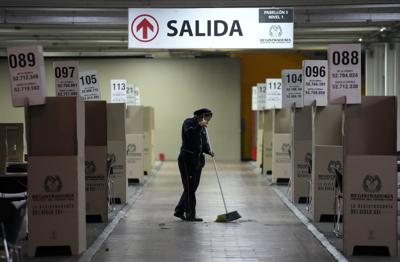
{"x": 144, "y": 25}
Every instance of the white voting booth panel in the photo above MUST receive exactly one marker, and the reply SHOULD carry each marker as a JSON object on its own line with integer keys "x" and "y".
{"x": 281, "y": 151}
{"x": 327, "y": 156}
{"x": 135, "y": 126}
{"x": 96, "y": 172}
{"x": 267, "y": 142}
{"x": 56, "y": 184}
{"x": 260, "y": 134}
{"x": 301, "y": 154}
{"x": 370, "y": 178}
{"x": 116, "y": 146}
{"x": 134, "y": 156}
{"x": 148, "y": 146}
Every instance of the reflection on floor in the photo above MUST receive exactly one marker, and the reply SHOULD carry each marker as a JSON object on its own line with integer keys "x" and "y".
{"x": 267, "y": 231}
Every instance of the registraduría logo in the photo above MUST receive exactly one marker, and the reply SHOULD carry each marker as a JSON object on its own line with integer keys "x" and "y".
{"x": 334, "y": 165}
{"x": 131, "y": 148}
{"x": 52, "y": 184}
{"x": 372, "y": 184}
{"x": 275, "y": 31}
{"x": 90, "y": 167}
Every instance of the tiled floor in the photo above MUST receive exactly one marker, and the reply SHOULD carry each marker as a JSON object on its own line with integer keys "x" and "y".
{"x": 268, "y": 231}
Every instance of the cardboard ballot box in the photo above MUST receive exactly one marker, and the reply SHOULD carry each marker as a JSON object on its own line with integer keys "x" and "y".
{"x": 56, "y": 184}
{"x": 135, "y": 126}
{"x": 14, "y": 135}
{"x": 301, "y": 153}
{"x": 259, "y": 138}
{"x": 267, "y": 142}
{"x": 327, "y": 156}
{"x": 370, "y": 177}
{"x": 134, "y": 156}
{"x": 281, "y": 151}
{"x": 116, "y": 146}
{"x": 96, "y": 161}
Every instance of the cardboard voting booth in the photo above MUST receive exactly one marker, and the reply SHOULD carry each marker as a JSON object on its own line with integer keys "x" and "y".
{"x": 148, "y": 144}
{"x": 135, "y": 126}
{"x": 259, "y": 138}
{"x": 281, "y": 143}
{"x": 96, "y": 161}
{"x": 370, "y": 177}
{"x": 267, "y": 142}
{"x": 56, "y": 184}
{"x": 327, "y": 156}
{"x": 116, "y": 147}
{"x": 301, "y": 153}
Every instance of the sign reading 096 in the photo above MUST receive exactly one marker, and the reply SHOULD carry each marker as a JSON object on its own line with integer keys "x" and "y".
{"x": 315, "y": 71}
{"x": 22, "y": 60}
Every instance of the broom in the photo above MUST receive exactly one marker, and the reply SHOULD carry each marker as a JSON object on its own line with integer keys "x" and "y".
{"x": 228, "y": 216}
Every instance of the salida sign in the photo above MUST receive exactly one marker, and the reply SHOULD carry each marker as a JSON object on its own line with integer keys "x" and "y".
{"x": 211, "y": 28}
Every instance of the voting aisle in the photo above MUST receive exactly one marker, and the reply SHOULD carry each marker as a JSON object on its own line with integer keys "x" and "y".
{"x": 86, "y": 125}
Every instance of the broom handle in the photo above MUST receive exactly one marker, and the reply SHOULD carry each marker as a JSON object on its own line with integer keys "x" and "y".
{"x": 216, "y": 171}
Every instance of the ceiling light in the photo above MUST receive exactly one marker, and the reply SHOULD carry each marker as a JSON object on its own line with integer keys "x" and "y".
{"x": 360, "y": 39}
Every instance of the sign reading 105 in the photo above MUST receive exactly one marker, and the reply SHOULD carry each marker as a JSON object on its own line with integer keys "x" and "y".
{"x": 88, "y": 79}
{"x": 22, "y": 60}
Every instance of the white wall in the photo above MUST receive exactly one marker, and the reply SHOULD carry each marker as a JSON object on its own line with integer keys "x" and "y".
{"x": 174, "y": 87}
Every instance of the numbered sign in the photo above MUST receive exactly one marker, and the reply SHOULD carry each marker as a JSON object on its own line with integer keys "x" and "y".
{"x": 66, "y": 76}
{"x": 89, "y": 85}
{"x": 130, "y": 95}
{"x": 262, "y": 95}
{"x": 315, "y": 82}
{"x": 274, "y": 93}
{"x": 344, "y": 73}
{"x": 118, "y": 91}
{"x": 254, "y": 99}
{"x": 27, "y": 75}
{"x": 292, "y": 87}
{"x": 137, "y": 96}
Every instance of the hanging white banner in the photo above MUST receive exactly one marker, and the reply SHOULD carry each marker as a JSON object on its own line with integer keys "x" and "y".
{"x": 118, "y": 90}
{"x": 262, "y": 96}
{"x": 130, "y": 95}
{"x": 315, "y": 82}
{"x": 66, "y": 76}
{"x": 254, "y": 98}
{"x": 27, "y": 75}
{"x": 89, "y": 85}
{"x": 344, "y": 73}
{"x": 274, "y": 93}
{"x": 177, "y": 28}
{"x": 292, "y": 88}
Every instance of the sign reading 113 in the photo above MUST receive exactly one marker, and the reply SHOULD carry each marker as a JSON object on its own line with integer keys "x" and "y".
{"x": 119, "y": 86}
